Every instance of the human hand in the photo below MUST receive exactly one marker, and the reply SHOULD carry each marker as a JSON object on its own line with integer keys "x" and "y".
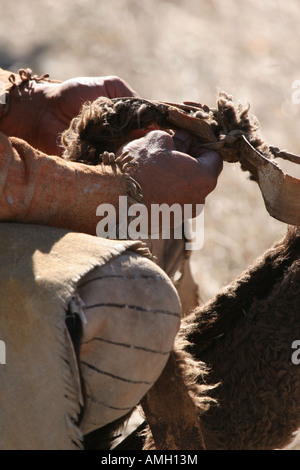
{"x": 173, "y": 168}
{"x": 40, "y": 112}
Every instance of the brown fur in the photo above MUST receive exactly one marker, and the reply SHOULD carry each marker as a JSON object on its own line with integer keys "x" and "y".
{"x": 235, "y": 355}
{"x": 194, "y": 374}
{"x": 244, "y": 336}
{"x": 104, "y": 125}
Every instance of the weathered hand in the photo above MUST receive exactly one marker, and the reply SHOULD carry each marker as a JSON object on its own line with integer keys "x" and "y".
{"x": 172, "y": 169}
{"x": 167, "y": 170}
{"x": 39, "y": 113}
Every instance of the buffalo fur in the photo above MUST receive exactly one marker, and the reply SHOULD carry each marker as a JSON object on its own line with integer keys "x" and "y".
{"x": 244, "y": 336}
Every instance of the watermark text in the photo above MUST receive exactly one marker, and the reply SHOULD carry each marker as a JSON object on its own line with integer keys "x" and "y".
{"x": 296, "y": 354}
{"x": 2, "y": 352}
{"x": 164, "y": 222}
{"x": 2, "y": 92}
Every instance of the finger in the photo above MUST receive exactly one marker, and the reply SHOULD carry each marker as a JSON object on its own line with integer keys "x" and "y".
{"x": 212, "y": 160}
{"x": 110, "y": 86}
{"x": 182, "y": 141}
{"x": 117, "y": 87}
{"x": 71, "y": 94}
{"x": 154, "y": 142}
{"x": 159, "y": 140}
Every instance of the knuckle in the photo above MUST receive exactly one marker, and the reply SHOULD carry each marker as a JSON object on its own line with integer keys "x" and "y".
{"x": 161, "y": 137}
